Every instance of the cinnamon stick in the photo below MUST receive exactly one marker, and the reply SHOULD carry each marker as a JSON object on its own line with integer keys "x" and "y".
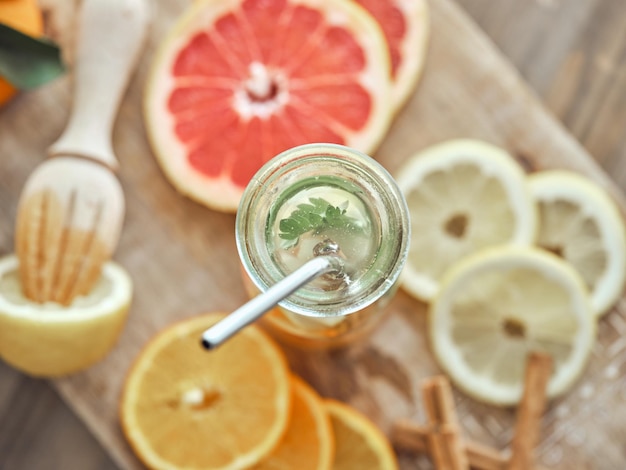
{"x": 444, "y": 439}
{"x": 413, "y": 437}
{"x": 530, "y": 411}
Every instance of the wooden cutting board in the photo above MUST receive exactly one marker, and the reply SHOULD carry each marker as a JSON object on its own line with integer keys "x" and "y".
{"x": 183, "y": 260}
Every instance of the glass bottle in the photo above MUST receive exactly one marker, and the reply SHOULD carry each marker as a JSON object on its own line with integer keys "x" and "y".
{"x": 323, "y": 199}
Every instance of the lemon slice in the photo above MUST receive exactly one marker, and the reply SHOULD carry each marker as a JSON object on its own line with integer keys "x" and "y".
{"x": 463, "y": 196}
{"x": 581, "y": 223}
{"x": 495, "y": 307}
{"x": 51, "y": 339}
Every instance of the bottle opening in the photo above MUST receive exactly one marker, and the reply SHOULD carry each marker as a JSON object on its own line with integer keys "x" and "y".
{"x": 324, "y": 215}
{"x": 322, "y": 199}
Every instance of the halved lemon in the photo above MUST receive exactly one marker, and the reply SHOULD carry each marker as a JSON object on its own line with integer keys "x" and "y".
{"x": 52, "y": 339}
{"x": 495, "y": 307}
{"x": 359, "y": 443}
{"x": 463, "y": 196}
{"x": 581, "y": 223}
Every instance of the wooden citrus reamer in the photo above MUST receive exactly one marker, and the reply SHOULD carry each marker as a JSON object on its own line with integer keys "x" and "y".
{"x": 71, "y": 209}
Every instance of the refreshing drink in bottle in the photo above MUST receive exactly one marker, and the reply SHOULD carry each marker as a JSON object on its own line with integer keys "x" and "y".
{"x": 323, "y": 200}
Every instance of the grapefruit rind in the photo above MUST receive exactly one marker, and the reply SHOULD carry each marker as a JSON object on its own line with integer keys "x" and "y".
{"x": 220, "y": 192}
{"x": 413, "y": 50}
{"x": 407, "y": 38}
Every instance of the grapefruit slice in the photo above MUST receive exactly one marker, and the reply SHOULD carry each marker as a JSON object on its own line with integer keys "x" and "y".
{"x": 238, "y": 81}
{"x": 406, "y": 27}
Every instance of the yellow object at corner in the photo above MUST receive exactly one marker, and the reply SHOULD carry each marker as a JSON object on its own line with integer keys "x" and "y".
{"x": 49, "y": 340}
{"x": 25, "y": 16}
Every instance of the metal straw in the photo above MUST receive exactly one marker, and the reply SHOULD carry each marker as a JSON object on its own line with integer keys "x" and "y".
{"x": 251, "y": 311}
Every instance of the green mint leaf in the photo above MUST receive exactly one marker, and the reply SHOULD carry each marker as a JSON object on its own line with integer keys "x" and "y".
{"x": 320, "y": 204}
{"x": 27, "y": 62}
{"x": 315, "y": 215}
{"x": 287, "y": 229}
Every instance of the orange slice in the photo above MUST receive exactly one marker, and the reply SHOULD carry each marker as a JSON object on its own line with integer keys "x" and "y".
{"x": 25, "y": 16}
{"x": 185, "y": 408}
{"x": 308, "y": 443}
{"x": 406, "y": 27}
{"x": 238, "y": 81}
{"x": 358, "y": 442}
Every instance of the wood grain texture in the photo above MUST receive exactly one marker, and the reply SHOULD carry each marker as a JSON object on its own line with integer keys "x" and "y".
{"x": 573, "y": 54}
{"x": 37, "y": 432}
{"x": 183, "y": 258}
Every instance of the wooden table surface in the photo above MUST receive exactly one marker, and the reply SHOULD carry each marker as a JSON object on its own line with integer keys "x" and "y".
{"x": 572, "y": 53}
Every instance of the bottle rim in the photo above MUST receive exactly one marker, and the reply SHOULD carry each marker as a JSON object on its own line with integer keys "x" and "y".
{"x": 383, "y": 194}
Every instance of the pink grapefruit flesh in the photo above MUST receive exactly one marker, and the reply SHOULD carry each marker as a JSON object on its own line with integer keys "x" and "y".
{"x": 405, "y": 24}
{"x": 238, "y": 81}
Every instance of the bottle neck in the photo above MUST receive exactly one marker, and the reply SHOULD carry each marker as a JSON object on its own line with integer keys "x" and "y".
{"x": 315, "y": 197}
